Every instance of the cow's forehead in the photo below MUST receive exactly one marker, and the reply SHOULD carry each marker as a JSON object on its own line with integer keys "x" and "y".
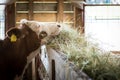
{"x": 23, "y": 27}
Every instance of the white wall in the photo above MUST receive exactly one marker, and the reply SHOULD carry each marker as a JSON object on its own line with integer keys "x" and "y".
{"x": 2, "y": 22}
{"x": 102, "y": 23}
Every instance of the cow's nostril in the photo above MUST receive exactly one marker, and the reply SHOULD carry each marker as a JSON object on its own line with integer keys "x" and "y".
{"x": 58, "y": 25}
{"x": 42, "y": 34}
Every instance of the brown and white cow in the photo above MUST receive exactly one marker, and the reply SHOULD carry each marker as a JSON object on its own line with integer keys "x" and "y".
{"x": 14, "y": 49}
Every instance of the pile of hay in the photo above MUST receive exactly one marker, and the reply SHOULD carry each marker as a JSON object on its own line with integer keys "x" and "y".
{"x": 96, "y": 63}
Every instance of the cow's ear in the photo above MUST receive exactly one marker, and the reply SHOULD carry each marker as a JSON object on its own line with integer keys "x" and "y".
{"x": 14, "y": 34}
{"x": 42, "y": 34}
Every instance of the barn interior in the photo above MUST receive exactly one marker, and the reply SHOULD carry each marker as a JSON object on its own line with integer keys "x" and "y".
{"x": 90, "y": 51}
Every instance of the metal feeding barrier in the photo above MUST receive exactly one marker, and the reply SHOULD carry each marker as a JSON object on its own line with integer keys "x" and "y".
{"x": 58, "y": 67}
{"x": 48, "y": 64}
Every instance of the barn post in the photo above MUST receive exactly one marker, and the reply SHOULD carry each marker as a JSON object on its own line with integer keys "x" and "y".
{"x": 30, "y": 13}
{"x": 10, "y": 16}
{"x": 60, "y": 10}
{"x": 79, "y": 16}
{"x": 75, "y": 16}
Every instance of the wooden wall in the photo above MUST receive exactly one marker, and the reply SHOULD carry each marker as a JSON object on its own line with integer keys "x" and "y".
{"x": 45, "y": 11}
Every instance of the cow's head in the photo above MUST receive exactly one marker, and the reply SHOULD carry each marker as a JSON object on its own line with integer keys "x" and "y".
{"x": 34, "y": 25}
{"x": 52, "y": 29}
{"x": 25, "y": 35}
{"x": 14, "y": 34}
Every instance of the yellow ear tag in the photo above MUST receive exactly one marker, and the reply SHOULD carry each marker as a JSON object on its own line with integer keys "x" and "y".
{"x": 13, "y": 38}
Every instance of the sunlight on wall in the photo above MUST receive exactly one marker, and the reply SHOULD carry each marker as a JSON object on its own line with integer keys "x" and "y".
{"x": 2, "y": 22}
{"x": 102, "y": 23}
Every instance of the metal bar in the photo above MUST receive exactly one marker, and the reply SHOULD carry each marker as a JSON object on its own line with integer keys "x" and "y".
{"x": 107, "y": 18}
{"x": 53, "y": 69}
{"x": 33, "y": 69}
{"x": 45, "y": 1}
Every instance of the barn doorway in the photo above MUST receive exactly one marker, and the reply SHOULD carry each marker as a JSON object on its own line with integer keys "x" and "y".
{"x": 102, "y": 23}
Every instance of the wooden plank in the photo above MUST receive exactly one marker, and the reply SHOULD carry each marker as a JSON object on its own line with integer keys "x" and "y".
{"x": 22, "y": 12}
{"x": 45, "y": 11}
{"x": 45, "y": 6}
{"x": 45, "y": 17}
{"x": 44, "y": 0}
{"x": 68, "y": 6}
{"x": 21, "y": 16}
{"x": 67, "y": 1}
{"x": 22, "y": 6}
{"x": 22, "y": 1}
{"x": 60, "y": 11}
{"x": 68, "y": 12}
{"x": 38, "y": 1}
{"x": 30, "y": 14}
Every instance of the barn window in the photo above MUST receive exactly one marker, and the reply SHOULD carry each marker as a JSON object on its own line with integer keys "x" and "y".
{"x": 2, "y": 22}
{"x": 103, "y": 24}
{"x": 103, "y": 1}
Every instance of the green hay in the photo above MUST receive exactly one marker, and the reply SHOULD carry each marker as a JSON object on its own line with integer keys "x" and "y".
{"x": 96, "y": 63}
